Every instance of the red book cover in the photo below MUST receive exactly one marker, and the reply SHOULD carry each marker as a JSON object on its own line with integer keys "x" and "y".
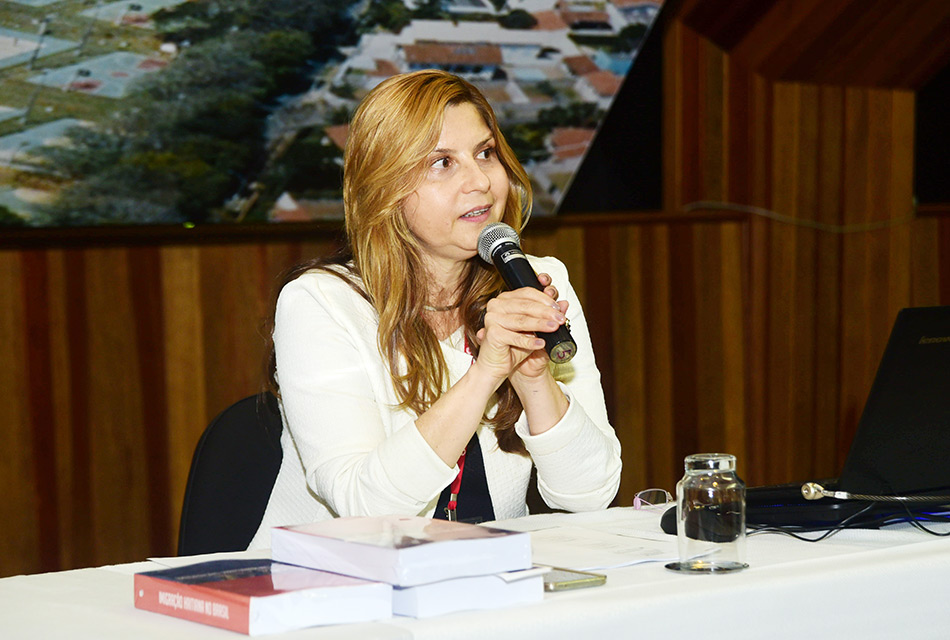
{"x": 260, "y": 596}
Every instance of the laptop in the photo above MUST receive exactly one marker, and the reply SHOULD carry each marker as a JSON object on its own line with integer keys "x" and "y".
{"x": 901, "y": 446}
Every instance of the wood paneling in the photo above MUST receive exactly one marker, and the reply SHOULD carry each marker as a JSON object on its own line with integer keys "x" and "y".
{"x": 108, "y": 389}
{"x": 748, "y": 316}
{"x": 883, "y": 43}
{"x": 826, "y": 174}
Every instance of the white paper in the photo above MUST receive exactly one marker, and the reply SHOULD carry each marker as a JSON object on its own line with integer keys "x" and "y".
{"x": 584, "y": 549}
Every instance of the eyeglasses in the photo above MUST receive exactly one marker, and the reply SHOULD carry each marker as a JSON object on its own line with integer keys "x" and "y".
{"x": 651, "y": 498}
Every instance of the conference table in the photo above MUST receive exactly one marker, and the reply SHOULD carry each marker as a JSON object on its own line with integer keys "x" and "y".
{"x": 887, "y": 583}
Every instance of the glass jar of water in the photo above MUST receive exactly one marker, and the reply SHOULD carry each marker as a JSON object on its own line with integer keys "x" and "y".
{"x": 710, "y": 515}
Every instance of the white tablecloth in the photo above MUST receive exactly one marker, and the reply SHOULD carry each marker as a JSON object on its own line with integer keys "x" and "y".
{"x": 858, "y": 584}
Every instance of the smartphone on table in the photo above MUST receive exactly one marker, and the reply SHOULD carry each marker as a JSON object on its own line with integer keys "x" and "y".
{"x": 558, "y": 579}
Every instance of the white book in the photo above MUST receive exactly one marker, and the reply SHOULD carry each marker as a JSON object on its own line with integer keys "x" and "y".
{"x": 471, "y": 593}
{"x": 400, "y": 550}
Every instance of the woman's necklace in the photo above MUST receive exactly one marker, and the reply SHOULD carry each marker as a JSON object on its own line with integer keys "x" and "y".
{"x": 443, "y": 319}
{"x": 449, "y": 307}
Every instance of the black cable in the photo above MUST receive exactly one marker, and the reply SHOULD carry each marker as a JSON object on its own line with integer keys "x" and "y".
{"x": 915, "y": 522}
{"x": 828, "y": 532}
{"x": 913, "y": 519}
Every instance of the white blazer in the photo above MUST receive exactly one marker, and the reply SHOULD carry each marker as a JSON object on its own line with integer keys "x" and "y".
{"x": 348, "y": 450}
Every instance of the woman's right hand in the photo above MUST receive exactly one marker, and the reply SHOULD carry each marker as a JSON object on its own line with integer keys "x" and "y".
{"x": 508, "y": 337}
{"x": 505, "y": 342}
{"x": 508, "y": 348}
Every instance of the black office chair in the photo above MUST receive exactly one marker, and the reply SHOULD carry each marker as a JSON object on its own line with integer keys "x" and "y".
{"x": 232, "y": 473}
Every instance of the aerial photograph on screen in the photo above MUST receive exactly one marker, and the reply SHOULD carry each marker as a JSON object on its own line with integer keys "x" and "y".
{"x": 224, "y": 111}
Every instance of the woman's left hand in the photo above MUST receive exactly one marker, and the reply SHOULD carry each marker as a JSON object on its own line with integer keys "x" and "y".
{"x": 531, "y": 364}
{"x": 543, "y": 401}
{"x": 536, "y": 364}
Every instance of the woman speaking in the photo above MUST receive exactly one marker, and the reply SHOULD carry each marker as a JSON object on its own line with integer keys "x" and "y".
{"x": 411, "y": 381}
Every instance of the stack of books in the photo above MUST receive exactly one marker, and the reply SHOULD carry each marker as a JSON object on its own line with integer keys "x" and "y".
{"x": 434, "y": 566}
{"x": 356, "y": 569}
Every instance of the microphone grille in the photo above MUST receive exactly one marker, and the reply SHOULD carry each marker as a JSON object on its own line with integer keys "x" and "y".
{"x": 493, "y": 233}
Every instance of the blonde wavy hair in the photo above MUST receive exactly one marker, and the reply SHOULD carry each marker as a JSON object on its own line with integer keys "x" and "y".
{"x": 391, "y": 134}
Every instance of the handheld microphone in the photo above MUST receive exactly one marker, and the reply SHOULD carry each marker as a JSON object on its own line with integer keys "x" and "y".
{"x": 500, "y": 245}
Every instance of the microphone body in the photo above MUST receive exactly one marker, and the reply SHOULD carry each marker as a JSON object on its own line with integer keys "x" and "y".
{"x": 499, "y": 244}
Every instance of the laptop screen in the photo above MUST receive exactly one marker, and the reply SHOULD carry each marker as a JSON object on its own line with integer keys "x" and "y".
{"x": 902, "y": 444}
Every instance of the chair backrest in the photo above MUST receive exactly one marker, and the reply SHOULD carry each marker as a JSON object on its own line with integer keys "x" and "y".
{"x": 232, "y": 474}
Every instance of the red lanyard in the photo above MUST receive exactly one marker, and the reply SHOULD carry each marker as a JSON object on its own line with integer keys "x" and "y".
{"x": 450, "y": 508}
{"x": 454, "y": 490}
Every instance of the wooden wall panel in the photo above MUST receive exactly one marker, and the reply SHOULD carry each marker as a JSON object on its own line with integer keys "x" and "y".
{"x": 114, "y": 371}
{"x": 186, "y": 392}
{"x": 733, "y": 311}
{"x": 627, "y": 322}
{"x": 855, "y": 42}
{"x": 18, "y": 510}
{"x": 826, "y": 174}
